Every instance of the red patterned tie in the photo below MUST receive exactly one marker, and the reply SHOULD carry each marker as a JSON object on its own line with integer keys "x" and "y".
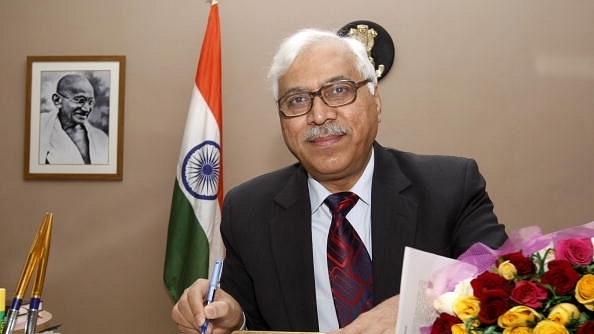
{"x": 349, "y": 264}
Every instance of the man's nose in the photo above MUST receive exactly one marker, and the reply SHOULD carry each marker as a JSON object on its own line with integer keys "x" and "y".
{"x": 320, "y": 112}
{"x": 86, "y": 106}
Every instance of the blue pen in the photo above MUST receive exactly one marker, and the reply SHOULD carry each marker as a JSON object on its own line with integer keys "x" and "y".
{"x": 212, "y": 288}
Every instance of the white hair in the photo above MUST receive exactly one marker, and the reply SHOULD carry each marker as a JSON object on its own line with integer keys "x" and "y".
{"x": 292, "y": 46}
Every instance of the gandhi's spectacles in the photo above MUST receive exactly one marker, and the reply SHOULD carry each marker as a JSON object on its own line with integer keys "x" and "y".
{"x": 333, "y": 94}
{"x": 80, "y": 100}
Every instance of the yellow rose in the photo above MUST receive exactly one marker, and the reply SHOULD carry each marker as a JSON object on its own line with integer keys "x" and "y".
{"x": 458, "y": 329}
{"x": 466, "y": 307}
{"x": 461, "y": 329}
{"x": 507, "y": 270}
{"x": 584, "y": 291}
{"x": 518, "y": 316}
{"x": 563, "y": 313}
{"x": 518, "y": 330}
{"x": 549, "y": 327}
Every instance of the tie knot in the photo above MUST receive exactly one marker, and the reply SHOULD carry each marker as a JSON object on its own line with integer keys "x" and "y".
{"x": 341, "y": 202}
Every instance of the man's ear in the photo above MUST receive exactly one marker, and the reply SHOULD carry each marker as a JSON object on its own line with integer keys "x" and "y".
{"x": 378, "y": 102}
{"x": 57, "y": 100}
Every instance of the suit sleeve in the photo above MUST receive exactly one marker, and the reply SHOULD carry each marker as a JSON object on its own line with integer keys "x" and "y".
{"x": 235, "y": 278}
{"x": 476, "y": 220}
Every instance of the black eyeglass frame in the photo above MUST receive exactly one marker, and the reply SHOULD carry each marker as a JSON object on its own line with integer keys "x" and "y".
{"x": 313, "y": 94}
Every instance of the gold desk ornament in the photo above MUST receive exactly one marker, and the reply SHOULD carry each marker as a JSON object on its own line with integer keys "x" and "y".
{"x": 379, "y": 44}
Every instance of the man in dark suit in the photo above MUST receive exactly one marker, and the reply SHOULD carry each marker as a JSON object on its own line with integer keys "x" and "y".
{"x": 276, "y": 226}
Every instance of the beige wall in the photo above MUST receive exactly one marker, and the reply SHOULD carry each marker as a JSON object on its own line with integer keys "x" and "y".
{"x": 510, "y": 83}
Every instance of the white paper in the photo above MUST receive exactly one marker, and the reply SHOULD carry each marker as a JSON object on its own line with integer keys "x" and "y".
{"x": 414, "y": 310}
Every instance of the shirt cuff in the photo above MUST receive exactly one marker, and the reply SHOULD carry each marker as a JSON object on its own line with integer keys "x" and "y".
{"x": 243, "y": 324}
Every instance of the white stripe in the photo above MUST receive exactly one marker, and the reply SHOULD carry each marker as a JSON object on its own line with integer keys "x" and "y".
{"x": 201, "y": 125}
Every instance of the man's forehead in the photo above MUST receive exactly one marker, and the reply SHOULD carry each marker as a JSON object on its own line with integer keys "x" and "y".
{"x": 80, "y": 86}
{"x": 315, "y": 79}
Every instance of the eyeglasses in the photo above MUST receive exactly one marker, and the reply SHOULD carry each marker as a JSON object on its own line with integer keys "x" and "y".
{"x": 80, "y": 100}
{"x": 333, "y": 94}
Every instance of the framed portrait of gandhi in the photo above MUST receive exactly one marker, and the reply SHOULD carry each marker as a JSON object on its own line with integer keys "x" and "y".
{"x": 74, "y": 117}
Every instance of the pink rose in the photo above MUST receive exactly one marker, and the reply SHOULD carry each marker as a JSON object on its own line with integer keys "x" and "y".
{"x": 528, "y": 294}
{"x": 575, "y": 251}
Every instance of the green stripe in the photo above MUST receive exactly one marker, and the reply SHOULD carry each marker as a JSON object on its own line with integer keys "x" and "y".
{"x": 186, "y": 257}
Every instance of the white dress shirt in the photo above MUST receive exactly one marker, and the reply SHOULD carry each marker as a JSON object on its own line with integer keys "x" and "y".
{"x": 56, "y": 147}
{"x": 359, "y": 217}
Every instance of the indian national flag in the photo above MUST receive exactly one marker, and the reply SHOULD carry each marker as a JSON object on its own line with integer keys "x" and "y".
{"x": 193, "y": 239}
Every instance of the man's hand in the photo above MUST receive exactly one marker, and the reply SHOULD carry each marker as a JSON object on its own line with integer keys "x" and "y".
{"x": 379, "y": 320}
{"x": 224, "y": 313}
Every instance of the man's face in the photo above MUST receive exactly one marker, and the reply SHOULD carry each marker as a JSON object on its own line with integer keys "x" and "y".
{"x": 75, "y": 101}
{"x": 332, "y": 159}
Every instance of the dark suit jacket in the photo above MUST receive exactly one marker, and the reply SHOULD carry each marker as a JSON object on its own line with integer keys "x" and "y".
{"x": 434, "y": 203}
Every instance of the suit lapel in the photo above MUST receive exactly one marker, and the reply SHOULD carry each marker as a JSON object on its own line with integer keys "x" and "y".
{"x": 291, "y": 248}
{"x": 393, "y": 220}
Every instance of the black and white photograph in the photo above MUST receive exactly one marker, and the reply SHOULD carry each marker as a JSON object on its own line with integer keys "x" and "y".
{"x": 74, "y": 116}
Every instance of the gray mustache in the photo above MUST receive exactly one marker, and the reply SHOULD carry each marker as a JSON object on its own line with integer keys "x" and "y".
{"x": 326, "y": 129}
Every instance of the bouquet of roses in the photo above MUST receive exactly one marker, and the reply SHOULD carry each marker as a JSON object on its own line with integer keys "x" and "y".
{"x": 540, "y": 284}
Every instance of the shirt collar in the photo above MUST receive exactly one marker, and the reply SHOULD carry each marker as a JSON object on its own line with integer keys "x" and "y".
{"x": 318, "y": 193}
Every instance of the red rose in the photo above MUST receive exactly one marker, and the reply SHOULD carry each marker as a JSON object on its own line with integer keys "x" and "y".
{"x": 586, "y": 328}
{"x": 528, "y": 294}
{"x": 524, "y": 265}
{"x": 561, "y": 276}
{"x": 576, "y": 251}
{"x": 443, "y": 324}
{"x": 494, "y": 304}
{"x": 489, "y": 281}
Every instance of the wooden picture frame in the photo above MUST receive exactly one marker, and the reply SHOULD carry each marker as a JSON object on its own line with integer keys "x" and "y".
{"x": 74, "y": 117}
